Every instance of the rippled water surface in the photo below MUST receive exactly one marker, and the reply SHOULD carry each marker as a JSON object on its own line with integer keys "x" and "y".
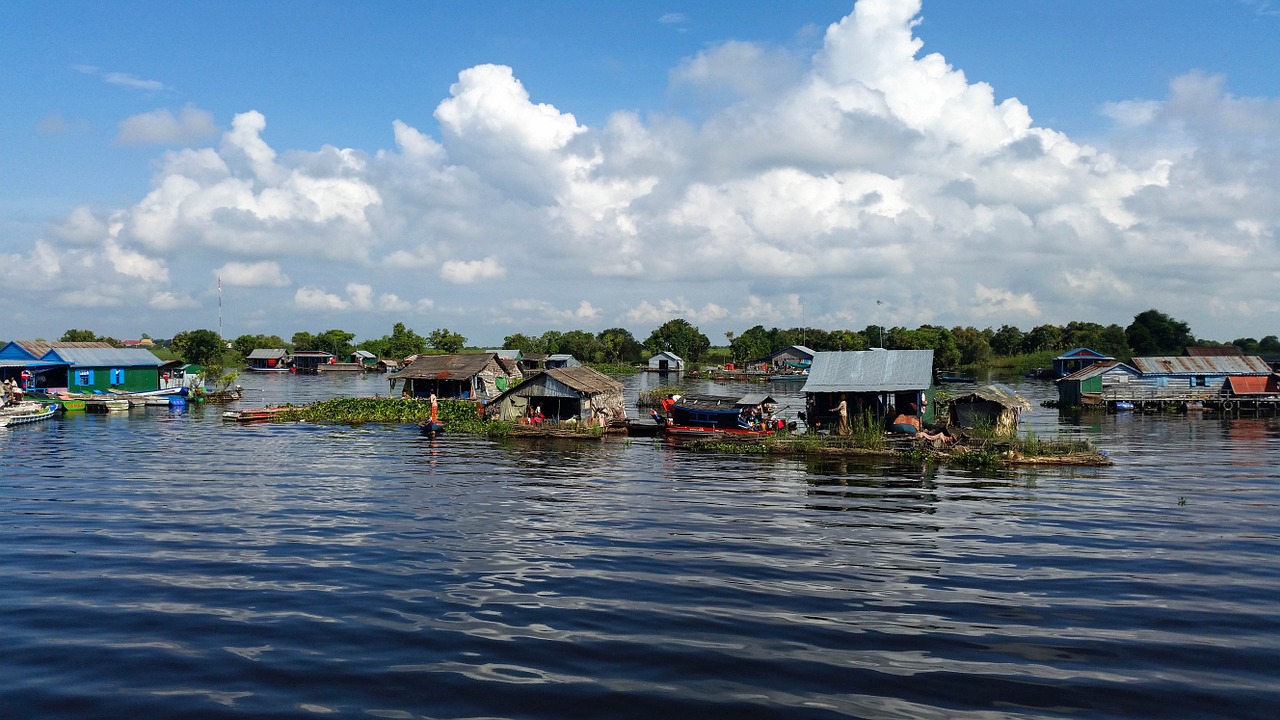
{"x": 164, "y": 564}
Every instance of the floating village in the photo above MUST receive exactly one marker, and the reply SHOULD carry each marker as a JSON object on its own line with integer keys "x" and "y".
{"x": 870, "y": 402}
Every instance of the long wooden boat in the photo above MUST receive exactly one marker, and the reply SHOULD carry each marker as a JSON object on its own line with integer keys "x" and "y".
{"x": 262, "y": 414}
{"x": 26, "y": 412}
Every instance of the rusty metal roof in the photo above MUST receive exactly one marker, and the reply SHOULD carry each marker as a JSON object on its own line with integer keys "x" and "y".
{"x": 446, "y": 367}
{"x": 1202, "y": 365}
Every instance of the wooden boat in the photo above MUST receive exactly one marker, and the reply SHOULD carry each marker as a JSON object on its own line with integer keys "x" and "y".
{"x": 431, "y": 428}
{"x": 263, "y": 414}
{"x": 65, "y": 401}
{"x": 105, "y": 403}
{"x": 718, "y": 416}
{"x": 26, "y": 412}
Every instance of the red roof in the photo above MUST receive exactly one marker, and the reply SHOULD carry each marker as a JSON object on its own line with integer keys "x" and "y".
{"x": 1253, "y": 385}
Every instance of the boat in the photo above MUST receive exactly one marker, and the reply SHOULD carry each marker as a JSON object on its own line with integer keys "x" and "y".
{"x": 262, "y": 414}
{"x": 789, "y": 377}
{"x": 26, "y": 412}
{"x": 723, "y": 417}
{"x": 431, "y": 428}
{"x": 105, "y": 403}
{"x": 65, "y": 401}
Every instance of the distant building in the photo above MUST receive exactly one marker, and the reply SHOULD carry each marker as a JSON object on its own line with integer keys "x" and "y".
{"x": 666, "y": 361}
{"x": 1075, "y": 360}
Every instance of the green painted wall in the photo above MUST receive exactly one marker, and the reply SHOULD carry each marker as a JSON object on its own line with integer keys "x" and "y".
{"x": 129, "y": 379}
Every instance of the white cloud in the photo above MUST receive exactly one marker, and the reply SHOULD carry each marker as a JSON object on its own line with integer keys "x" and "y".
{"x": 994, "y": 302}
{"x": 135, "y": 264}
{"x": 161, "y": 127}
{"x": 471, "y": 271}
{"x": 260, "y": 274}
{"x": 172, "y": 301}
{"x": 122, "y": 79}
{"x": 311, "y": 298}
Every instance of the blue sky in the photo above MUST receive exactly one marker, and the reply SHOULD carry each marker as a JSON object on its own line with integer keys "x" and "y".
{"x": 518, "y": 167}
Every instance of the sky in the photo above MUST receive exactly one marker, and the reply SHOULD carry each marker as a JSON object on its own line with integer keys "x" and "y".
{"x": 513, "y": 166}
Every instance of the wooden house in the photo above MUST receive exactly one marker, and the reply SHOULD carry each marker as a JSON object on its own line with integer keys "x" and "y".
{"x": 1086, "y": 386}
{"x": 364, "y": 358}
{"x": 793, "y": 358}
{"x": 1076, "y": 360}
{"x": 870, "y": 381}
{"x": 308, "y": 361}
{"x": 1198, "y": 372}
{"x": 570, "y": 394}
{"x": 268, "y": 360}
{"x": 995, "y": 406}
{"x": 666, "y": 361}
{"x": 562, "y": 360}
{"x": 472, "y": 376}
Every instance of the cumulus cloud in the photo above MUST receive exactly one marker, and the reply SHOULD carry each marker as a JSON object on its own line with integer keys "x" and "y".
{"x": 312, "y": 298}
{"x": 870, "y": 169}
{"x": 167, "y": 300}
{"x": 260, "y": 274}
{"x": 162, "y": 127}
{"x": 464, "y": 272}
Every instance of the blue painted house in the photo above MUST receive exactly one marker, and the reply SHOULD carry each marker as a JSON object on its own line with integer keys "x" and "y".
{"x": 80, "y": 367}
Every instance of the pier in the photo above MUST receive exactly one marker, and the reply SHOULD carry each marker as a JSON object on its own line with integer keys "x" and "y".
{"x": 1145, "y": 398}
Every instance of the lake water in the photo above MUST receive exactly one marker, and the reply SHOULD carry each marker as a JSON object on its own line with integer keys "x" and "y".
{"x": 166, "y": 564}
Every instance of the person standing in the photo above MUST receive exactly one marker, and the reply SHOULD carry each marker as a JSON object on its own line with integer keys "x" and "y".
{"x": 842, "y": 410}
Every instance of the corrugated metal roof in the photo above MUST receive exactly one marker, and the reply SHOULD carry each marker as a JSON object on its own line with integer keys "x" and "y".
{"x": 699, "y": 401}
{"x": 1098, "y": 368}
{"x": 40, "y": 347}
{"x": 1253, "y": 385}
{"x": 1203, "y": 365}
{"x": 267, "y": 354}
{"x": 446, "y": 367}
{"x": 870, "y": 371}
{"x": 1214, "y": 351}
{"x": 109, "y": 357}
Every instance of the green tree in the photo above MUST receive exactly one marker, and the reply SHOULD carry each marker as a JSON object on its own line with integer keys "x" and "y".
{"x": 1007, "y": 341}
{"x": 1042, "y": 338}
{"x": 403, "y": 342}
{"x": 1269, "y": 345}
{"x": 842, "y": 340}
{"x": 79, "y": 336}
{"x": 202, "y": 347}
{"x": 679, "y": 337}
{"x": 580, "y": 344}
{"x": 752, "y": 344}
{"x": 1155, "y": 333}
{"x": 972, "y": 345}
{"x": 302, "y": 340}
{"x": 446, "y": 341}
{"x": 618, "y": 345}
{"x": 335, "y": 342}
{"x": 520, "y": 342}
{"x": 549, "y": 341}
{"x": 246, "y": 344}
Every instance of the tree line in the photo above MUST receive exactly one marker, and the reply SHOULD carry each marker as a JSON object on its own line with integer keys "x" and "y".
{"x": 1151, "y": 333}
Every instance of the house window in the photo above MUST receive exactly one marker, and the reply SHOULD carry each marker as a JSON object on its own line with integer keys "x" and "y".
{"x": 84, "y": 377}
{"x": 1202, "y": 381}
{"x": 117, "y": 376}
